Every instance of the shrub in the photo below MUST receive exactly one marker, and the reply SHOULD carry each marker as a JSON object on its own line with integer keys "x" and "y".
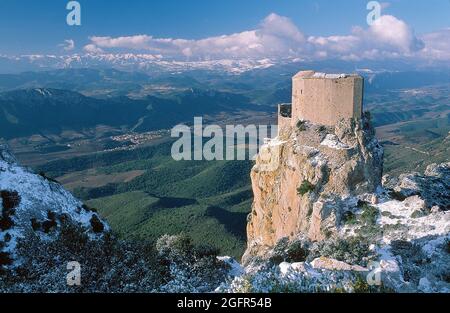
{"x": 353, "y": 250}
{"x": 278, "y": 253}
{"x": 328, "y": 233}
{"x": 418, "y": 214}
{"x": 348, "y": 217}
{"x": 305, "y": 187}
{"x": 397, "y": 195}
{"x": 289, "y": 251}
{"x": 412, "y": 259}
{"x": 187, "y": 268}
{"x": 361, "y": 203}
{"x": 48, "y": 226}
{"x": 404, "y": 248}
{"x": 97, "y": 225}
{"x": 174, "y": 248}
{"x": 6, "y": 223}
{"x": 108, "y": 265}
{"x": 74, "y": 238}
{"x": 10, "y": 199}
{"x": 301, "y": 125}
{"x": 35, "y": 224}
{"x": 446, "y": 277}
{"x": 322, "y": 129}
{"x": 369, "y": 214}
{"x": 5, "y": 258}
{"x": 297, "y": 251}
{"x": 51, "y": 216}
{"x": 361, "y": 286}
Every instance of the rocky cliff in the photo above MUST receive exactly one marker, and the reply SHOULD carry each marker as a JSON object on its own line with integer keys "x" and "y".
{"x": 302, "y": 179}
{"x": 399, "y": 244}
{"x": 325, "y": 220}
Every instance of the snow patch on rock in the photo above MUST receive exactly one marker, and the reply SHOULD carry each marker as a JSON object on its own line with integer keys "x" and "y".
{"x": 332, "y": 141}
{"x": 38, "y": 197}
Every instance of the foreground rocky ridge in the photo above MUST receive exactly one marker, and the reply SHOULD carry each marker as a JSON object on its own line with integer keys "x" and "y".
{"x": 399, "y": 244}
{"x": 43, "y": 229}
{"x": 35, "y": 204}
{"x": 396, "y": 239}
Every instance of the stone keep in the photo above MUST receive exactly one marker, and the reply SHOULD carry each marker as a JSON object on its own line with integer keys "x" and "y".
{"x": 323, "y": 99}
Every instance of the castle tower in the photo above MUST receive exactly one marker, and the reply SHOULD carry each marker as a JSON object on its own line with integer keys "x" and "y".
{"x": 323, "y": 98}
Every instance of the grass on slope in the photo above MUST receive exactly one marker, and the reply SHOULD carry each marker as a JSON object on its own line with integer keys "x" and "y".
{"x": 209, "y": 201}
{"x": 422, "y": 142}
{"x": 218, "y": 221}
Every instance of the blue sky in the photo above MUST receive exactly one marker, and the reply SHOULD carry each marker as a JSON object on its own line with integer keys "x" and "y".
{"x": 229, "y": 29}
{"x": 39, "y": 26}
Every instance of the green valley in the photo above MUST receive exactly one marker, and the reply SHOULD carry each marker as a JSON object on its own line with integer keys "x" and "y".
{"x": 209, "y": 201}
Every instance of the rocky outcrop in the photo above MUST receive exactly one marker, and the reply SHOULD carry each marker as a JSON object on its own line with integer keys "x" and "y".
{"x": 302, "y": 178}
{"x": 433, "y": 186}
{"x": 32, "y": 203}
{"x": 335, "y": 265}
{"x": 47, "y": 236}
{"x": 398, "y": 251}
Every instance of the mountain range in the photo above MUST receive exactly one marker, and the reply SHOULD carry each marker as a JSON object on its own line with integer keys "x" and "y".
{"x": 42, "y": 110}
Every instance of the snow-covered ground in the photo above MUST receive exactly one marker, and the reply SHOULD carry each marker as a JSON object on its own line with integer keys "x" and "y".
{"x": 37, "y": 197}
{"x": 411, "y": 248}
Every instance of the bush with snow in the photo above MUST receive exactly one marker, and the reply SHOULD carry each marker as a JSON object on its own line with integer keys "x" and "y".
{"x": 112, "y": 265}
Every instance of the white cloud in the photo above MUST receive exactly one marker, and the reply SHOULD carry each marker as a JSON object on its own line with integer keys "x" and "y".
{"x": 437, "y": 45}
{"x": 277, "y": 36}
{"x": 67, "y": 45}
{"x": 92, "y": 48}
{"x": 387, "y": 37}
{"x": 131, "y": 42}
{"x": 394, "y": 33}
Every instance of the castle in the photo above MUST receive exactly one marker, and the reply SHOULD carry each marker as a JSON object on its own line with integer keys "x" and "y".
{"x": 301, "y": 178}
{"x": 322, "y": 99}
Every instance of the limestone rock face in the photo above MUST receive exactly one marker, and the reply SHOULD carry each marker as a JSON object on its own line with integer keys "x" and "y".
{"x": 335, "y": 265}
{"x": 301, "y": 179}
{"x": 433, "y": 186}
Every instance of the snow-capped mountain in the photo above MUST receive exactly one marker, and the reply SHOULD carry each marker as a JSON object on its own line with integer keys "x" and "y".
{"x": 129, "y": 62}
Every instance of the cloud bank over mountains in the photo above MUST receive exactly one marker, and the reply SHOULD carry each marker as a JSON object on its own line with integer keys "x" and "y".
{"x": 278, "y": 37}
{"x": 276, "y": 40}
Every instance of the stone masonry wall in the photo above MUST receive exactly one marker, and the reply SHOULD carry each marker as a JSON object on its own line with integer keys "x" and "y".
{"x": 324, "y": 100}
